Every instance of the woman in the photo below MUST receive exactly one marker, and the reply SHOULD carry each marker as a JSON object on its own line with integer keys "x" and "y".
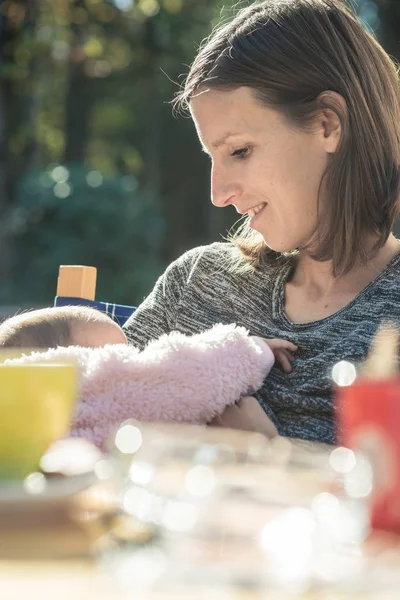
{"x": 298, "y": 107}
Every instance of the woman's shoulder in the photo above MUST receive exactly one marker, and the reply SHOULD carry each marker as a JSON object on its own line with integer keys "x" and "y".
{"x": 218, "y": 256}
{"x": 219, "y": 266}
{"x": 216, "y": 250}
{"x": 382, "y": 296}
{"x": 388, "y": 281}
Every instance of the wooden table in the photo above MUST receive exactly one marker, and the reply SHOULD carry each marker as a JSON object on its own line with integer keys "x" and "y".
{"x": 83, "y": 579}
{"x": 79, "y": 580}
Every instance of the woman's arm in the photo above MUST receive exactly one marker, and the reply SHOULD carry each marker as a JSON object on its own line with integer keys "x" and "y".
{"x": 157, "y": 314}
{"x": 248, "y": 415}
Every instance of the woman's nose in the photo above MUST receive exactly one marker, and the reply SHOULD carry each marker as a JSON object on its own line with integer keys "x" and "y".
{"x": 223, "y": 190}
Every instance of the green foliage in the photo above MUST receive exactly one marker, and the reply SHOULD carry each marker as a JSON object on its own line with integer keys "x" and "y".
{"x": 74, "y": 216}
{"x": 86, "y": 84}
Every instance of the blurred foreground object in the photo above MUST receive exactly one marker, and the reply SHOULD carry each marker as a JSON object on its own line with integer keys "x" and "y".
{"x": 36, "y": 403}
{"x": 209, "y": 507}
{"x": 369, "y": 420}
{"x": 44, "y": 516}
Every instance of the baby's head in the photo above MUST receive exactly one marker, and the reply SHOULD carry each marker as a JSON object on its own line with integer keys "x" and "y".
{"x": 60, "y": 326}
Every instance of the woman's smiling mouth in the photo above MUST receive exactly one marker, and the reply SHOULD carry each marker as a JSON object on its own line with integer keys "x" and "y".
{"x": 252, "y": 212}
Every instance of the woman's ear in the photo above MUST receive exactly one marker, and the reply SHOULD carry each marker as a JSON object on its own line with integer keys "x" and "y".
{"x": 331, "y": 116}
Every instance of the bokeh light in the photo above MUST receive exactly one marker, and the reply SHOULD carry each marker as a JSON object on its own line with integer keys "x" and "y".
{"x": 60, "y": 174}
{"x": 124, "y": 5}
{"x": 344, "y": 373}
{"x": 141, "y": 472}
{"x": 342, "y": 460}
{"x": 35, "y": 483}
{"x": 62, "y": 190}
{"x": 128, "y": 439}
{"x": 94, "y": 179}
{"x": 200, "y": 480}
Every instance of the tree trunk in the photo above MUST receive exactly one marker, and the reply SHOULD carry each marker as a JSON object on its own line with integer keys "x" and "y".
{"x": 389, "y": 14}
{"x": 78, "y": 100}
{"x": 16, "y": 116}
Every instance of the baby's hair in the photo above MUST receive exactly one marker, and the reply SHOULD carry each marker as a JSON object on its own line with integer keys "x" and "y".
{"x": 45, "y": 328}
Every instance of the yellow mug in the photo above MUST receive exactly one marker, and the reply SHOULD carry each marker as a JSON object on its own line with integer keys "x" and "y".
{"x": 36, "y": 403}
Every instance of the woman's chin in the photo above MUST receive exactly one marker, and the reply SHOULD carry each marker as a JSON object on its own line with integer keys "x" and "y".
{"x": 279, "y": 248}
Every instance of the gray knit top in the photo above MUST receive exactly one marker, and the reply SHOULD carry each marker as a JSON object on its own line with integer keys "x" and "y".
{"x": 201, "y": 288}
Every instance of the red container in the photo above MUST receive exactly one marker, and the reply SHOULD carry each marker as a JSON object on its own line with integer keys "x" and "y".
{"x": 369, "y": 420}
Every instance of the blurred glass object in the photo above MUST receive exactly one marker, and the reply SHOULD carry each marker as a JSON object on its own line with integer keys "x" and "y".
{"x": 228, "y": 509}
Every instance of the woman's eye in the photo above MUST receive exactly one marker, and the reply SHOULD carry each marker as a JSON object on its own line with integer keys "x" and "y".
{"x": 241, "y": 152}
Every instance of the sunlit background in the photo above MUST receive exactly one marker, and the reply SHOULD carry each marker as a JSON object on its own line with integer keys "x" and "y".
{"x": 94, "y": 167}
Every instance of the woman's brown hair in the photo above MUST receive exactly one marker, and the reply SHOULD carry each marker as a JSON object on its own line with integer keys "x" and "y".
{"x": 289, "y": 52}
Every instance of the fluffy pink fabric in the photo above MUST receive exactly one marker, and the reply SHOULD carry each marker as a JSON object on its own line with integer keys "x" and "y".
{"x": 175, "y": 378}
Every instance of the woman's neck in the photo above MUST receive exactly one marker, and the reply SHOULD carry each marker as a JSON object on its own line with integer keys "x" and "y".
{"x": 313, "y": 293}
{"x": 318, "y": 279}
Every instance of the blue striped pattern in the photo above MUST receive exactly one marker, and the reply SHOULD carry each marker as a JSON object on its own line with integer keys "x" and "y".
{"x": 120, "y": 313}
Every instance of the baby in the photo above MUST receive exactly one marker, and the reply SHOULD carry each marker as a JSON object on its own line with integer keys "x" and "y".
{"x": 64, "y": 326}
{"x": 188, "y": 379}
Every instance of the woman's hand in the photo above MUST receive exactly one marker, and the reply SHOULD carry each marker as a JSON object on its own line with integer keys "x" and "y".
{"x": 247, "y": 415}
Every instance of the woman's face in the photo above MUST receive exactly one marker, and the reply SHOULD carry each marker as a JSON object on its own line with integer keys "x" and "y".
{"x": 262, "y": 165}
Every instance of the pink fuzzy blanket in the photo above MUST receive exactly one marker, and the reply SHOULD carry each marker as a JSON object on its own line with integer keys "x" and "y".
{"x": 175, "y": 378}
